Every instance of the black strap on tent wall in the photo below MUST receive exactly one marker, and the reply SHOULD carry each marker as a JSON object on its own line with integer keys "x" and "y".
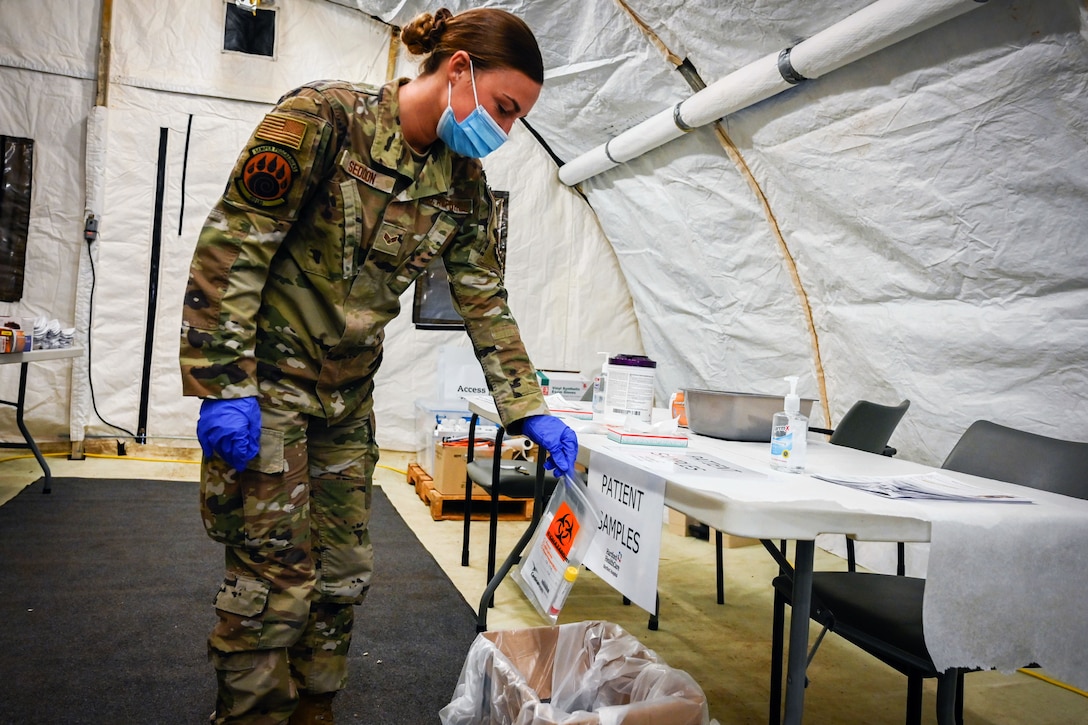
{"x": 184, "y": 173}
{"x": 152, "y": 287}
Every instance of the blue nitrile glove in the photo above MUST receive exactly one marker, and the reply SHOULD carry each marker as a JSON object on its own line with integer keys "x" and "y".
{"x": 554, "y": 436}
{"x": 231, "y": 428}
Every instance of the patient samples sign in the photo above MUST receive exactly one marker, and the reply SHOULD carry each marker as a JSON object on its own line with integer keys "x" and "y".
{"x": 630, "y": 503}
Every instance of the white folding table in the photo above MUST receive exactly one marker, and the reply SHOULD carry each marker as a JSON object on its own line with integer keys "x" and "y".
{"x": 988, "y": 561}
{"x": 24, "y": 359}
{"x": 969, "y": 541}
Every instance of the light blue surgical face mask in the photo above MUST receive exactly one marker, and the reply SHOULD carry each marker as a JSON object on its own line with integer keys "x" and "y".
{"x": 477, "y": 135}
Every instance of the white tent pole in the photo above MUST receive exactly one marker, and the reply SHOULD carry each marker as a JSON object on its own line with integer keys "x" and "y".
{"x": 867, "y": 31}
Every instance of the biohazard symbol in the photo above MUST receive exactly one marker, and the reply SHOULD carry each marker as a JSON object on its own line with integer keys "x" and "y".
{"x": 563, "y": 530}
{"x": 268, "y": 175}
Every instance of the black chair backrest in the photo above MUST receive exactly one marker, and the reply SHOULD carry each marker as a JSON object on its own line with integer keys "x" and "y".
{"x": 868, "y": 426}
{"x": 1028, "y": 459}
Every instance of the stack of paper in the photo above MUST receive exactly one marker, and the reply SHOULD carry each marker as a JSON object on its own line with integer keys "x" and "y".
{"x": 932, "y": 486}
{"x": 577, "y": 409}
{"x": 621, "y": 435}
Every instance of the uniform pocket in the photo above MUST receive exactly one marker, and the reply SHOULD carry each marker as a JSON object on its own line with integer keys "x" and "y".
{"x": 326, "y": 242}
{"x": 276, "y": 504}
{"x": 244, "y": 595}
{"x": 265, "y": 507}
{"x": 270, "y": 458}
{"x": 221, "y": 502}
{"x": 432, "y": 244}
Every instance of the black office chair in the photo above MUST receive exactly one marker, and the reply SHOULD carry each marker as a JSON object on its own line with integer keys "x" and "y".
{"x": 516, "y": 479}
{"x": 867, "y": 427}
{"x": 882, "y": 614}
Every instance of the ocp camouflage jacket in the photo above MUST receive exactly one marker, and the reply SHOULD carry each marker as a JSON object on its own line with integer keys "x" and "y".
{"x": 326, "y": 220}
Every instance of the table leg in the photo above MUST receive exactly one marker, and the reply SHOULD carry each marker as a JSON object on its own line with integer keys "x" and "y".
{"x": 47, "y": 488}
{"x": 515, "y": 555}
{"x": 507, "y": 565}
{"x": 804, "y": 555}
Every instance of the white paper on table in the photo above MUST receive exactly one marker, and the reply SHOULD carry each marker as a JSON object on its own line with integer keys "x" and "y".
{"x": 680, "y": 464}
{"x": 933, "y": 486}
{"x": 1005, "y": 587}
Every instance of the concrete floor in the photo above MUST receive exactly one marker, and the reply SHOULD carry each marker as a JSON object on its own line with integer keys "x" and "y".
{"x": 724, "y": 647}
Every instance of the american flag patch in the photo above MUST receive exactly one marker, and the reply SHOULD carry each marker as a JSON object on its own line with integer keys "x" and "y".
{"x": 285, "y": 131}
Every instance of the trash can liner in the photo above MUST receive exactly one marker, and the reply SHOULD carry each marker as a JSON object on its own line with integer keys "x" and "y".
{"x": 582, "y": 673}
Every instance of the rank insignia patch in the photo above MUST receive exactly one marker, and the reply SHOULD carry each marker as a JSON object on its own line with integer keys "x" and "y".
{"x": 267, "y": 176}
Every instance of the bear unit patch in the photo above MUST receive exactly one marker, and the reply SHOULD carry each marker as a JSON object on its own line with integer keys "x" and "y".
{"x": 267, "y": 176}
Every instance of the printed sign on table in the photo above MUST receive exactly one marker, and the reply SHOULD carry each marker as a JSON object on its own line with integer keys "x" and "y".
{"x": 631, "y": 505}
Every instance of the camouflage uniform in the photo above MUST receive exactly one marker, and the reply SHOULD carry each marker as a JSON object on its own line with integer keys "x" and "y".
{"x": 327, "y": 219}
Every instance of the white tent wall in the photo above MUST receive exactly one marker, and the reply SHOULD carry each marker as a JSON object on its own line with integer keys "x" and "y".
{"x": 46, "y": 87}
{"x": 932, "y": 195}
{"x": 733, "y": 322}
{"x": 123, "y": 252}
{"x": 564, "y": 282}
{"x": 167, "y": 71}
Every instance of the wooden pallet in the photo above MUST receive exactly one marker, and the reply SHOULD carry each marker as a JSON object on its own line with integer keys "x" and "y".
{"x": 419, "y": 479}
{"x": 449, "y": 506}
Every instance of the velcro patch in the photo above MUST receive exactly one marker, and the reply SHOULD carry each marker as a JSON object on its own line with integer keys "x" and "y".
{"x": 289, "y": 132}
{"x": 367, "y": 175}
{"x": 267, "y": 176}
{"x": 390, "y": 238}
{"x": 453, "y": 206}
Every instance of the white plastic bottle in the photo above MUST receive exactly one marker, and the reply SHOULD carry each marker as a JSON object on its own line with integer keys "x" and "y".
{"x": 789, "y": 434}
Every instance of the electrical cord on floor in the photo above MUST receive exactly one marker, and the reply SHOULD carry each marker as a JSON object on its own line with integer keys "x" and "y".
{"x": 1050, "y": 680}
{"x": 90, "y": 234}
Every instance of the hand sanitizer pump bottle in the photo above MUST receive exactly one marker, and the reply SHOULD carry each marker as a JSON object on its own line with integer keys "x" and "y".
{"x": 789, "y": 434}
{"x": 600, "y": 383}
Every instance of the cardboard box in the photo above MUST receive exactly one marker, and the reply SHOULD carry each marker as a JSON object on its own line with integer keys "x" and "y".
{"x": 570, "y": 384}
{"x": 548, "y": 675}
{"x": 450, "y": 461}
{"x": 678, "y": 524}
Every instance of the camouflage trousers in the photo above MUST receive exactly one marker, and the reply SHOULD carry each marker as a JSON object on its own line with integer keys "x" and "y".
{"x": 298, "y": 557}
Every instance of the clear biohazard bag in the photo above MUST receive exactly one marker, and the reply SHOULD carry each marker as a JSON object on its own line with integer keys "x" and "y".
{"x": 551, "y": 562}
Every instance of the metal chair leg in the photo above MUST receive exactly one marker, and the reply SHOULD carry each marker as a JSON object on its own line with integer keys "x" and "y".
{"x": 947, "y": 687}
{"x": 493, "y": 524}
{"x": 914, "y": 700}
{"x": 469, "y": 455}
{"x": 720, "y": 565}
{"x": 959, "y": 695}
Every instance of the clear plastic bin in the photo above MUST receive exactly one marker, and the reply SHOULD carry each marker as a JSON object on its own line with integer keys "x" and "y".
{"x": 584, "y": 673}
